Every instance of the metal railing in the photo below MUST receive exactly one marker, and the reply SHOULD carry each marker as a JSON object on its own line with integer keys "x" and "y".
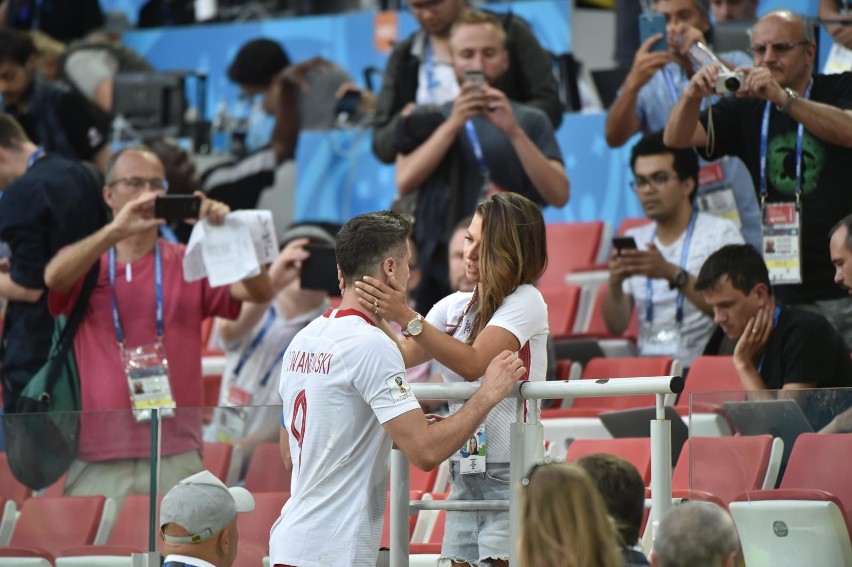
{"x": 527, "y": 446}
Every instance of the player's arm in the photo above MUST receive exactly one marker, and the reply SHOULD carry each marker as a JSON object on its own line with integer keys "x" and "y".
{"x": 429, "y": 443}
{"x": 284, "y": 448}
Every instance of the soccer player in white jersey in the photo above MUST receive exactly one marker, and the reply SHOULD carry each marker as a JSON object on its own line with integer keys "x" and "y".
{"x": 505, "y": 253}
{"x": 346, "y": 400}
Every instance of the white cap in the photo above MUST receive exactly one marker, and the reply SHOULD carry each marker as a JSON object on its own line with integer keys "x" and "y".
{"x": 203, "y": 506}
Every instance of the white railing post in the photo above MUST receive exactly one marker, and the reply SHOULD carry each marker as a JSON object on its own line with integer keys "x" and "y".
{"x": 399, "y": 509}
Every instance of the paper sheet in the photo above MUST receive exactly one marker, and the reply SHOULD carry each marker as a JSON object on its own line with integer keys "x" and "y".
{"x": 232, "y": 251}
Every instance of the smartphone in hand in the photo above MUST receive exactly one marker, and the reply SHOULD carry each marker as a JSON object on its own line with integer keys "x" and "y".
{"x": 319, "y": 271}
{"x": 623, "y": 243}
{"x": 651, "y": 23}
{"x": 177, "y": 207}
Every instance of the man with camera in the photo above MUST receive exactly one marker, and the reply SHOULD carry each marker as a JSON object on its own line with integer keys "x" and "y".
{"x": 793, "y": 129}
{"x": 462, "y": 151}
{"x": 139, "y": 342}
{"x": 655, "y": 270}
{"x": 661, "y": 70}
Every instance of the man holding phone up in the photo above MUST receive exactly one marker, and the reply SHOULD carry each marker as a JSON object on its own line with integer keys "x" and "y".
{"x": 462, "y": 151}
{"x": 660, "y": 72}
{"x": 658, "y": 278}
{"x": 140, "y": 337}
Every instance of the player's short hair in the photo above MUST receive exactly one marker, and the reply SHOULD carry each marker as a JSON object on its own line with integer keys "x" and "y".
{"x": 365, "y": 241}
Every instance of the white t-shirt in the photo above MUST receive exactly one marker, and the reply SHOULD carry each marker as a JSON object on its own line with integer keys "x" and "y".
{"x": 342, "y": 378}
{"x": 524, "y": 314}
{"x": 711, "y": 233}
{"x": 252, "y": 367}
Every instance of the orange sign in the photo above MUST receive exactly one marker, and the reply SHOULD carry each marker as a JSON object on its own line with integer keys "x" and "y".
{"x": 385, "y": 30}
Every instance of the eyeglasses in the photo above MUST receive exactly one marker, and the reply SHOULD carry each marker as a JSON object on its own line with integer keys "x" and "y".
{"x": 136, "y": 183}
{"x": 656, "y": 181}
{"x": 782, "y": 48}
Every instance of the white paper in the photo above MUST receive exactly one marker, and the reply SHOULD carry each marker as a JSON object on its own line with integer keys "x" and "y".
{"x": 232, "y": 251}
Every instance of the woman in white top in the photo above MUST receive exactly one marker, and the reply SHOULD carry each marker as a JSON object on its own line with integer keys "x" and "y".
{"x": 505, "y": 253}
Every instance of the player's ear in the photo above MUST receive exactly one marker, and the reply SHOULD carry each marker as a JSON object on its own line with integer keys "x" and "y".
{"x": 389, "y": 267}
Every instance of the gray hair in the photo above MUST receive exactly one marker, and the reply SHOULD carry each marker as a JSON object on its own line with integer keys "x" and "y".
{"x": 695, "y": 534}
{"x": 109, "y": 169}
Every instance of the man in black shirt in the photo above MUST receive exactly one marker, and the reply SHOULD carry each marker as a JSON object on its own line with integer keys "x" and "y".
{"x": 47, "y": 202}
{"x": 777, "y": 347}
{"x": 52, "y": 114}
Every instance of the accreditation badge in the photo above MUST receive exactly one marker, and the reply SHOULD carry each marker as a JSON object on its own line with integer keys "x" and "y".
{"x": 472, "y": 453}
{"x": 782, "y": 250}
{"x": 716, "y": 197}
{"x": 660, "y": 339}
{"x": 231, "y": 421}
{"x": 147, "y": 372}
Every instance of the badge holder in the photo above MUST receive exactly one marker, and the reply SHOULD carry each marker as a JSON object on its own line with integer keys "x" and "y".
{"x": 782, "y": 250}
{"x": 147, "y": 372}
{"x": 660, "y": 341}
{"x": 472, "y": 454}
{"x": 231, "y": 421}
{"x": 717, "y": 197}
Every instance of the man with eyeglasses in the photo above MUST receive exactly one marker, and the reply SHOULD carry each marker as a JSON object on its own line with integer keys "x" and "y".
{"x": 139, "y": 341}
{"x": 419, "y": 71}
{"x": 658, "y": 276}
{"x": 793, "y": 130}
{"x": 650, "y": 91}
{"x": 48, "y": 202}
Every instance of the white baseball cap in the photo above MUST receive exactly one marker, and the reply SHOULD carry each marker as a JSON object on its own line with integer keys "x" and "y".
{"x": 203, "y": 506}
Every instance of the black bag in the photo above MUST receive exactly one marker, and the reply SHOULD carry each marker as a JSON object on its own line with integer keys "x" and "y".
{"x": 41, "y": 436}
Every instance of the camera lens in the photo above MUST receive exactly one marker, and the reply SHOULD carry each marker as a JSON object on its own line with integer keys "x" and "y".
{"x": 732, "y": 84}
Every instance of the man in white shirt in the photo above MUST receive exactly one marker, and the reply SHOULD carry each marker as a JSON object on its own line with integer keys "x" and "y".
{"x": 346, "y": 400}
{"x": 658, "y": 276}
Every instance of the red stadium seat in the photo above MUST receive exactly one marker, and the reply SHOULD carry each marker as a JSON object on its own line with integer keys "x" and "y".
{"x": 634, "y": 450}
{"x": 710, "y": 374}
{"x": 570, "y": 246}
{"x": 562, "y": 303}
{"x": 808, "y": 520}
{"x": 266, "y": 472}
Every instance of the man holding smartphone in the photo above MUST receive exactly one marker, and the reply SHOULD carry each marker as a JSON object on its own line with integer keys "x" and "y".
{"x": 658, "y": 277}
{"x": 653, "y": 86}
{"x": 455, "y": 154}
{"x": 140, "y": 337}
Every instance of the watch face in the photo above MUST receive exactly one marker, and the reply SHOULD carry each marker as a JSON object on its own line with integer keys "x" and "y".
{"x": 415, "y": 326}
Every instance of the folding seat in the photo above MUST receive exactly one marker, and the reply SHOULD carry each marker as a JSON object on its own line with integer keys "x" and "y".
{"x": 266, "y": 472}
{"x": 254, "y": 527}
{"x": 562, "y": 304}
{"x": 10, "y": 488}
{"x": 808, "y": 520}
{"x": 726, "y": 466}
{"x": 635, "y": 450}
{"x": 572, "y": 246}
{"x": 580, "y": 421}
{"x": 706, "y": 375}
{"x": 129, "y": 534}
{"x": 223, "y": 460}
{"x": 48, "y": 525}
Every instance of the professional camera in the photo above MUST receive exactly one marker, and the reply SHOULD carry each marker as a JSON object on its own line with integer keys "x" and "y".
{"x": 730, "y": 82}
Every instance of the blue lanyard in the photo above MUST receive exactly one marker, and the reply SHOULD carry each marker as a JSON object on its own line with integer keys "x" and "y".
{"x": 428, "y": 59}
{"x": 684, "y": 254}
{"x": 158, "y": 289}
{"x": 775, "y": 315}
{"x": 39, "y": 151}
{"x": 764, "y": 140}
{"x": 255, "y": 342}
{"x": 477, "y": 148}
{"x": 275, "y": 362}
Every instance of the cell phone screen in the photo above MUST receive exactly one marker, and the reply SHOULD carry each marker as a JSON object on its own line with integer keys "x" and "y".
{"x": 177, "y": 207}
{"x": 650, "y": 24}
{"x": 319, "y": 271}
{"x": 624, "y": 243}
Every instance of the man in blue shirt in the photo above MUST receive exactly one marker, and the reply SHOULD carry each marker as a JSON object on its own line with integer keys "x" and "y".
{"x": 652, "y": 88}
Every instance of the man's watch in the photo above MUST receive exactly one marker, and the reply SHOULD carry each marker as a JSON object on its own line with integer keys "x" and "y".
{"x": 679, "y": 280}
{"x": 792, "y": 96}
{"x": 414, "y": 327}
